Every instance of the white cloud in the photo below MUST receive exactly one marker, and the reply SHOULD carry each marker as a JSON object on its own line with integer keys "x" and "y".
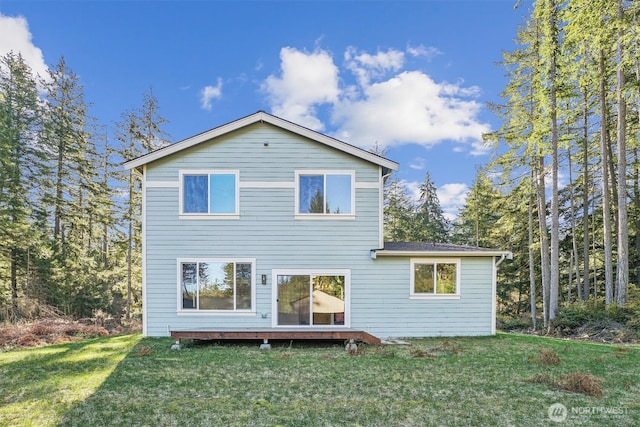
{"x": 367, "y": 67}
{"x": 17, "y": 38}
{"x": 480, "y": 148}
{"x": 452, "y": 198}
{"x": 209, "y": 93}
{"x": 418, "y": 163}
{"x": 386, "y": 104}
{"x": 413, "y": 190}
{"x": 427, "y": 51}
{"x": 409, "y": 108}
{"x": 307, "y": 80}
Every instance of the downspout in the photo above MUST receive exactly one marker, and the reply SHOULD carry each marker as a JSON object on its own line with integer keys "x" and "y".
{"x": 507, "y": 255}
{"x": 381, "y": 209}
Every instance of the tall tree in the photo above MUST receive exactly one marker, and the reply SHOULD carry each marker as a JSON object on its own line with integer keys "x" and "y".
{"x": 138, "y": 131}
{"x": 478, "y": 216}
{"x": 431, "y": 224}
{"x": 622, "y": 264}
{"x": 22, "y": 165}
{"x": 397, "y": 212}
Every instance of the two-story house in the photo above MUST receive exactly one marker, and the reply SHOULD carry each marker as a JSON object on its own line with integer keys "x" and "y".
{"x": 262, "y": 225}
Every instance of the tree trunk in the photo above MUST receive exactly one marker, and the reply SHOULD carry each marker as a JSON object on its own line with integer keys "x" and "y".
{"x": 585, "y": 201}
{"x": 532, "y": 272}
{"x": 574, "y": 240}
{"x": 544, "y": 238}
{"x": 622, "y": 264}
{"x": 555, "y": 217}
{"x": 15, "y": 311}
{"x": 606, "y": 210}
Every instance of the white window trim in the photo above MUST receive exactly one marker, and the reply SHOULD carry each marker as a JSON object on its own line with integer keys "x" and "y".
{"x": 183, "y": 215}
{"x": 325, "y": 216}
{"x": 311, "y": 272}
{"x": 197, "y": 312}
{"x": 422, "y": 295}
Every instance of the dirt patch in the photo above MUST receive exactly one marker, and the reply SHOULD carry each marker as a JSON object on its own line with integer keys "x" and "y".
{"x": 40, "y": 332}
{"x": 603, "y": 331}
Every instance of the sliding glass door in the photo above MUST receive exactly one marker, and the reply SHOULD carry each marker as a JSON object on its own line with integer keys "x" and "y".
{"x": 311, "y": 299}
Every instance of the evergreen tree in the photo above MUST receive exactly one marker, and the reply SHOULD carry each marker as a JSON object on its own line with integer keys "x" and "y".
{"x": 398, "y": 212}
{"x": 478, "y": 216}
{"x": 21, "y": 166}
{"x": 138, "y": 131}
{"x": 72, "y": 176}
{"x": 430, "y": 223}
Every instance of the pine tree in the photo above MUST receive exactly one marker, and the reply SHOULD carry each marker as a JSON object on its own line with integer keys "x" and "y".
{"x": 138, "y": 131}
{"x": 72, "y": 176}
{"x": 430, "y": 222}
{"x": 397, "y": 211}
{"x": 21, "y": 167}
{"x": 479, "y": 214}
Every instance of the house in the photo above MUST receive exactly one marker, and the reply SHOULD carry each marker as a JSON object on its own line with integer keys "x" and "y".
{"x": 265, "y": 226}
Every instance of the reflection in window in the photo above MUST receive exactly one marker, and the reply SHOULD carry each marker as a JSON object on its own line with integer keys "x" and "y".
{"x": 435, "y": 278}
{"x": 213, "y": 193}
{"x": 216, "y": 285}
{"x": 311, "y": 300}
{"x": 325, "y": 194}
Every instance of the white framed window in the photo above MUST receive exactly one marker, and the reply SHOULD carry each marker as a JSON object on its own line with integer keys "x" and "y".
{"x": 323, "y": 194}
{"x": 216, "y": 285}
{"x": 311, "y": 298}
{"x": 206, "y": 193}
{"x": 435, "y": 278}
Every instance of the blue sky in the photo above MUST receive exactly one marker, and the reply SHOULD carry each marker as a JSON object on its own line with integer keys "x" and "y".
{"x": 412, "y": 76}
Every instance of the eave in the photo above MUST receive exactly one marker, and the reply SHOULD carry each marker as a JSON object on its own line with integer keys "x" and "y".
{"x": 444, "y": 253}
{"x": 262, "y": 117}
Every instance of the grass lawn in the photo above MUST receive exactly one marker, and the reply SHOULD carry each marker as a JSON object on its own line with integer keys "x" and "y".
{"x": 499, "y": 381}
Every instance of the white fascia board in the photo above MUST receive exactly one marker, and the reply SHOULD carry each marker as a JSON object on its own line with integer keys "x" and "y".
{"x": 254, "y": 118}
{"x": 190, "y": 142}
{"x": 443, "y": 253}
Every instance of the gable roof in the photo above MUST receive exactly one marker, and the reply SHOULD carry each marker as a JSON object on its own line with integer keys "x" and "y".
{"x": 435, "y": 249}
{"x": 262, "y": 117}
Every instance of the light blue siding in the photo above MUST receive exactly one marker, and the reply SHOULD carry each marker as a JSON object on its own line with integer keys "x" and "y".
{"x": 380, "y": 301}
{"x": 268, "y": 231}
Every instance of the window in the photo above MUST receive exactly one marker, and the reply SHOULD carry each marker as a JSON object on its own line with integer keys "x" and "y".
{"x": 320, "y": 193}
{"x": 435, "y": 278}
{"x": 209, "y": 192}
{"x": 216, "y": 285}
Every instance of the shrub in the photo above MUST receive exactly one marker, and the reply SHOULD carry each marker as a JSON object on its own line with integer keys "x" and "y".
{"x": 514, "y": 323}
{"x": 574, "y": 315}
{"x": 577, "y": 382}
{"x": 549, "y": 357}
{"x": 580, "y": 382}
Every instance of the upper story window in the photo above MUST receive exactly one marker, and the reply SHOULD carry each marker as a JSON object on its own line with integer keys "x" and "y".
{"x": 324, "y": 193}
{"x": 435, "y": 278}
{"x": 209, "y": 192}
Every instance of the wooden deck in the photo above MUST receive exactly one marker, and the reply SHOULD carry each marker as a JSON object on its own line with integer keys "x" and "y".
{"x": 275, "y": 334}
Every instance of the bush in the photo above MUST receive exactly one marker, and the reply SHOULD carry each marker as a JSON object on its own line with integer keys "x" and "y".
{"x": 577, "y": 382}
{"x": 577, "y": 314}
{"x": 574, "y": 315}
{"x": 514, "y": 323}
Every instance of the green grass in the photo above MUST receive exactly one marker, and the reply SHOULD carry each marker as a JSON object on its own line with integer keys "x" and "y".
{"x": 463, "y": 381}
